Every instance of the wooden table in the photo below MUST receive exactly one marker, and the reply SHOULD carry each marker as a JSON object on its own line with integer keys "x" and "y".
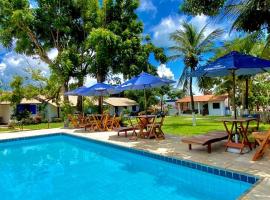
{"x": 239, "y": 128}
{"x": 143, "y": 121}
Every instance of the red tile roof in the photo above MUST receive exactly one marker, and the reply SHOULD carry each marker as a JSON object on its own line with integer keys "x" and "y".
{"x": 204, "y": 98}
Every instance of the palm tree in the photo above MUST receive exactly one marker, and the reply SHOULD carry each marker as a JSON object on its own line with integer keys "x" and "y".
{"x": 190, "y": 45}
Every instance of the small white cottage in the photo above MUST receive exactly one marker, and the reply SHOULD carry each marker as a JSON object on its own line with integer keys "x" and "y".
{"x": 216, "y": 105}
{"x": 118, "y": 104}
{"x": 52, "y": 110}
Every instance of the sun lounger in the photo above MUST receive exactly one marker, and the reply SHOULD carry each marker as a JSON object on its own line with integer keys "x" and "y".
{"x": 263, "y": 139}
{"x": 125, "y": 130}
{"x": 206, "y": 139}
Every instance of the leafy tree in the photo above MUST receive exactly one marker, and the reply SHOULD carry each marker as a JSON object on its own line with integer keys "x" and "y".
{"x": 197, "y": 7}
{"x": 260, "y": 91}
{"x": 78, "y": 29}
{"x": 191, "y": 44}
{"x": 175, "y": 94}
{"x": 51, "y": 25}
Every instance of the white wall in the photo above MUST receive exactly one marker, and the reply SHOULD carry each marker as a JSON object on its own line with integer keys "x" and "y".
{"x": 216, "y": 112}
{"x": 51, "y": 112}
{"x": 5, "y": 112}
{"x": 120, "y": 109}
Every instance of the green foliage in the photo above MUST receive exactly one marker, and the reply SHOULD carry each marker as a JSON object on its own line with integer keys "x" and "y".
{"x": 198, "y": 7}
{"x": 249, "y": 15}
{"x": 91, "y": 36}
{"x": 105, "y": 44}
{"x": 175, "y": 94}
{"x": 260, "y": 91}
{"x": 138, "y": 96}
{"x": 17, "y": 90}
{"x": 23, "y": 116}
{"x": 66, "y": 109}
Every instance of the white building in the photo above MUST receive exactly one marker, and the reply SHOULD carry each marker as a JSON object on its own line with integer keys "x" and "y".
{"x": 52, "y": 110}
{"x": 31, "y": 105}
{"x": 118, "y": 104}
{"x": 205, "y": 105}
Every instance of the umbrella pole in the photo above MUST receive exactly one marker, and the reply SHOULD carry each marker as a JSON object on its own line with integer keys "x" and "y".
{"x": 234, "y": 91}
{"x": 101, "y": 104}
{"x": 145, "y": 100}
{"x": 246, "y": 95}
{"x": 82, "y": 107}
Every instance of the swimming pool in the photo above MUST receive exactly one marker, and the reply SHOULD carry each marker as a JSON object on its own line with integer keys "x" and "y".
{"x": 65, "y": 167}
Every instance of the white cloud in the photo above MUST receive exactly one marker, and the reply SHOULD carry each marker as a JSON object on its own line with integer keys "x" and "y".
{"x": 16, "y": 64}
{"x": 161, "y": 32}
{"x": 165, "y": 72}
{"x": 52, "y": 54}
{"x": 89, "y": 81}
{"x": 147, "y": 6}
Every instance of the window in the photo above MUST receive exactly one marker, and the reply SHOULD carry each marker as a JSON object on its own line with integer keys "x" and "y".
{"x": 134, "y": 108}
{"x": 216, "y": 105}
{"x": 29, "y": 107}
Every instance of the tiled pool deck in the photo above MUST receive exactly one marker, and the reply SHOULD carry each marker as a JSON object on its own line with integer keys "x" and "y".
{"x": 172, "y": 147}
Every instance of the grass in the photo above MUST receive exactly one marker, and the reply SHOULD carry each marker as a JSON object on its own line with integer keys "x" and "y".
{"x": 178, "y": 125}
{"x": 182, "y": 125}
{"x": 35, "y": 127}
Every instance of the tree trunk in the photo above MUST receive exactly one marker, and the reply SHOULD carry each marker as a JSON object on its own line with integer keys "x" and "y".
{"x": 100, "y": 79}
{"x": 161, "y": 103}
{"x": 64, "y": 90}
{"x": 80, "y": 98}
{"x": 192, "y": 102}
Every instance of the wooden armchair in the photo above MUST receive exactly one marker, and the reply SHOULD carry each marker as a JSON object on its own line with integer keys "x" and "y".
{"x": 156, "y": 129}
{"x": 74, "y": 121}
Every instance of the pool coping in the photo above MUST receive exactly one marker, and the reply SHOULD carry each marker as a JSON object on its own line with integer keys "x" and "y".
{"x": 219, "y": 171}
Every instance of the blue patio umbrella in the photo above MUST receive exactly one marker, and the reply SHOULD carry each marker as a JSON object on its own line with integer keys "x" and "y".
{"x": 235, "y": 64}
{"x": 142, "y": 82}
{"x": 98, "y": 89}
{"x": 75, "y": 91}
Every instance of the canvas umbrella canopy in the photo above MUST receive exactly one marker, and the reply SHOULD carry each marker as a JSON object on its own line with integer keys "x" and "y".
{"x": 142, "y": 82}
{"x": 98, "y": 89}
{"x": 234, "y": 64}
{"x": 75, "y": 91}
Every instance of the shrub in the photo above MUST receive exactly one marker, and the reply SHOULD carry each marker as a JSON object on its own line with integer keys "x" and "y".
{"x": 37, "y": 119}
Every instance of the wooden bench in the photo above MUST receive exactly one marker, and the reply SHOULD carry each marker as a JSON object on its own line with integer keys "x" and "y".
{"x": 206, "y": 139}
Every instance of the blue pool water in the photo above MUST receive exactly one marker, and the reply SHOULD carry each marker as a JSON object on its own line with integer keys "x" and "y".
{"x": 67, "y": 168}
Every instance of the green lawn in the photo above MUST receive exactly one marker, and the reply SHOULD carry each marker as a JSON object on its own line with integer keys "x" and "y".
{"x": 182, "y": 125}
{"x": 35, "y": 127}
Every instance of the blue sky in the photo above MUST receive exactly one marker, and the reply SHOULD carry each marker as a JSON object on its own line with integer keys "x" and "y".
{"x": 160, "y": 18}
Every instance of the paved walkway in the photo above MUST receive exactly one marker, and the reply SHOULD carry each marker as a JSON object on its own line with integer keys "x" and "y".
{"x": 172, "y": 146}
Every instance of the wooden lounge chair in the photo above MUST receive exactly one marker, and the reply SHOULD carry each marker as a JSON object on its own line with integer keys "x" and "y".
{"x": 125, "y": 130}
{"x": 206, "y": 139}
{"x": 263, "y": 139}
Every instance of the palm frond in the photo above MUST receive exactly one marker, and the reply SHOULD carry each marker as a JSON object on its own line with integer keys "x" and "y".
{"x": 209, "y": 39}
